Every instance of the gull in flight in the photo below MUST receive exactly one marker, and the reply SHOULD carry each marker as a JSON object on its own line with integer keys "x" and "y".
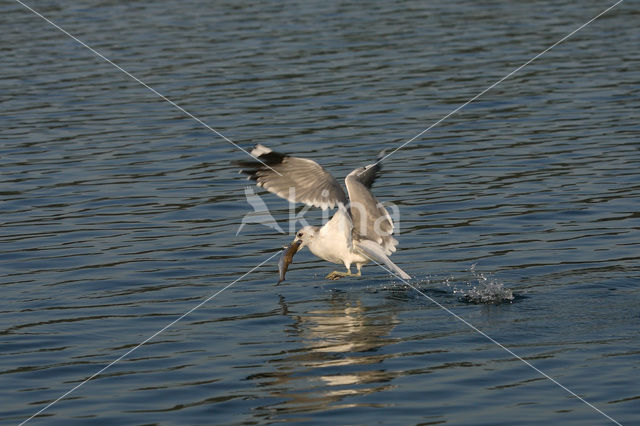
{"x": 360, "y": 230}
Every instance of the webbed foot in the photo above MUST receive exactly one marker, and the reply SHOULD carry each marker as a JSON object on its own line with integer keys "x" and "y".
{"x": 336, "y": 275}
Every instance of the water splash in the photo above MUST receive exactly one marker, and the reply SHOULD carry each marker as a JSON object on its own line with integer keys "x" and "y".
{"x": 483, "y": 290}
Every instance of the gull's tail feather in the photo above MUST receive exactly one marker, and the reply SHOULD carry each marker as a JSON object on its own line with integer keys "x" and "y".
{"x": 375, "y": 252}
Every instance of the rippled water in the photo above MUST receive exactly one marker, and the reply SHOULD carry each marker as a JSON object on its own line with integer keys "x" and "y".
{"x": 519, "y": 214}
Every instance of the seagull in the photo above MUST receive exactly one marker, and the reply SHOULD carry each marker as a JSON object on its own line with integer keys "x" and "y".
{"x": 360, "y": 230}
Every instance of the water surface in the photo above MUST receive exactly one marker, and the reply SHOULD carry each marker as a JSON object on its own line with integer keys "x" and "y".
{"x": 519, "y": 213}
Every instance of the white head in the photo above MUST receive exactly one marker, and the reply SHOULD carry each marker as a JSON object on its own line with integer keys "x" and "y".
{"x": 305, "y": 235}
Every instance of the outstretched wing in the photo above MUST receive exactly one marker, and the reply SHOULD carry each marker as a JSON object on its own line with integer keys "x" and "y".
{"x": 371, "y": 221}
{"x": 294, "y": 179}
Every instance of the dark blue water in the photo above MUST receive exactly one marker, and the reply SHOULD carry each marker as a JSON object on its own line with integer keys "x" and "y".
{"x": 519, "y": 213}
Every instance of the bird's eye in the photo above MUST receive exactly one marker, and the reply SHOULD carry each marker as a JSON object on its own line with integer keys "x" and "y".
{"x": 300, "y": 234}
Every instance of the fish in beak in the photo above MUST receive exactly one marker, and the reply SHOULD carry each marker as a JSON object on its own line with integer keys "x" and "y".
{"x": 287, "y": 257}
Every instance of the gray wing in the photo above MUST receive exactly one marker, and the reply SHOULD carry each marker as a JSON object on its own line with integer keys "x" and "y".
{"x": 294, "y": 179}
{"x": 371, "y": 221}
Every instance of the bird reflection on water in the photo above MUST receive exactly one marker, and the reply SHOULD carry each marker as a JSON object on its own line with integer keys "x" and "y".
{"x": 339, "y": 358}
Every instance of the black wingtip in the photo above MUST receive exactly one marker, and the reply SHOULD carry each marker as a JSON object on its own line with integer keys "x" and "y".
{"x": 261, "y": 162}
{"x": 272, "y": 158}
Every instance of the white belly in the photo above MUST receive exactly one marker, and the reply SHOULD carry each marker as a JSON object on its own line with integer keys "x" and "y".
{"x": 333, "y": 242}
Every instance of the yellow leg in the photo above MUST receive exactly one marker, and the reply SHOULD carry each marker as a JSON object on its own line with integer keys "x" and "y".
{"x": 336, "y": 275}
